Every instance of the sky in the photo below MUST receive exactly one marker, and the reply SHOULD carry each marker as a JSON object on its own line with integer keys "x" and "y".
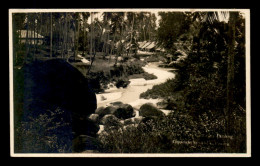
{"x": 100, "y": 17}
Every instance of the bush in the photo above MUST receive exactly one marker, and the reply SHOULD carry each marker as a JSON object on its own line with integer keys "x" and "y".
{"x": 84, "y": 142}
{"x": 110, "y": 122}
{"x": 48, "y": 133}
{"x": 122, "y": 82}
{"x": 160, "y": 91}
{"x": 128, "y": 122}
{"x": 148, "y": 76}
{"x": 98, "y": 81}
{"x": 178, "y": 132}
{"x": 149, "y": 110}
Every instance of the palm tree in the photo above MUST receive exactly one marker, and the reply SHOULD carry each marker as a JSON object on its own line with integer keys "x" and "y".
{"x": 231, "y": 53}
{"x": 85, "y": 16}
{"x": 27, "y": 41}
{"x": 210, "y": 17}
{"x": 118, "y": 24}
{"x": 51, "y": 35}
{"x": 132, "y": 29}
{"x": 91, "y": 42}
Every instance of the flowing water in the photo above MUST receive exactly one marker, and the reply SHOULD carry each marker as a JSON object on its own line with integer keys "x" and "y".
{"x": 130, "y": 95}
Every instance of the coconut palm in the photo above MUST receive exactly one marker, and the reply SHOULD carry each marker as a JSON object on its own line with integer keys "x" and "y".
{"x": 231, "y": 17}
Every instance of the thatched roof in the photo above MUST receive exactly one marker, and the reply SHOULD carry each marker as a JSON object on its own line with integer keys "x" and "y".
{"x": 30, "y": 34}
{"x": 151, "y": 45}
{"x": 145, "y": 45}
{"x": 141, "y": 44}
{"x": 160, "y": 49}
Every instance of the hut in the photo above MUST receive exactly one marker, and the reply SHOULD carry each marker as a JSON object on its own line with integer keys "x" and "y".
{"x": 144, "y": 46}
{"x": 150, "y": 47}
{"x": 141, "y": 44}
{"x": 33, "y": 37}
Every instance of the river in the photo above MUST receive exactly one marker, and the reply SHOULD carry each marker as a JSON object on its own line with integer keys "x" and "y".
{"x": 130, "y": 95}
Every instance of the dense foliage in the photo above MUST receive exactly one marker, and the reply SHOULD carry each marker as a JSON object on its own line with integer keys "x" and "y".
{"x": 198, "y": 94}
{"x": 176, "y": 133}
{"x": 50, "y": 132}
{"x": 201, "y": 119}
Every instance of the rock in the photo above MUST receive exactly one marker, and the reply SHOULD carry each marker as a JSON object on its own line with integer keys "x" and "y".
{"x": 110, "y": 110}
{"x": 110, "y": 122}
{"x": 55, "y": 83}
{"x": 124, "y": 111}
{"x": 149, "y": 110}
{"x": 117, "y": 104}
{"x": 101, "y": 111}
{"x": 94, "y": 118}
{"x": 138, "y": 120}
{"x": 46, "y": 85}
{"x": 135, "y": 120}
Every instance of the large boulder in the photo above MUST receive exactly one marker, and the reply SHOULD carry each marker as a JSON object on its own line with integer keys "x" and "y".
{"x": 56, "y": 83}
{"x": 94, "y": 118}
{"x": 101, "y": 111}
{"x": 149, "y": 110}
{"x": 47, "y": 85}
{"x": 117, "y": 103}
{"x": 124, "y": 111}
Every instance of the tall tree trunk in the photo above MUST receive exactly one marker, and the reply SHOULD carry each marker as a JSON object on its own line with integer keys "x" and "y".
{"x": 91, "y": 35}
{"x": 91, "y": 45}
{"x": 26, "y": 40}
{"x": 37, "y": 40}
{"x": 75, "y": 42}
{"x": 66, "y": 36}
{"x": 34, "y": 43}
{"x": 112, "y": 49}
{"x": 20, "y": 41}
{"x": 68, "y": 40}
{"x": 51, "y": 36}
{"x": 84, "y": 36}
{"x": 131, "y": 35}
{"x": 62, "y": 39}
{"x": 119, "y": 50}
{"x": 103, "y": 49}
{"x": 230, "y": 70}
{"x": 77, "y": 48}
{"x": 41, "y": 28}
{"x": 144, "y": 30}
{"x": 107, "y": 46}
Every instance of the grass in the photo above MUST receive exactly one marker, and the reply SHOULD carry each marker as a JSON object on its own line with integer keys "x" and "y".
{"x": 104, "y": 71}
{"x": 159, "y": 91}
{"x": 145, "y": 75}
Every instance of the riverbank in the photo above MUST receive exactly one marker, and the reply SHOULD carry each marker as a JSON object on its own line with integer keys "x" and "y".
{"x": 137, "y": 86}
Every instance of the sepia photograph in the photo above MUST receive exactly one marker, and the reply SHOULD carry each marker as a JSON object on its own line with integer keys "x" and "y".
{"x": 129, "y": 82}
